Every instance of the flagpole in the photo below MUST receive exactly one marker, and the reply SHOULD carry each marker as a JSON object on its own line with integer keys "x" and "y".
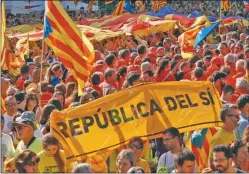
{"x": 220, "y": 15}
{"x": 42, "y": 55}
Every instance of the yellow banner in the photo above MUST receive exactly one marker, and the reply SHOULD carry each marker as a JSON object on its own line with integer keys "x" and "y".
{"x": 145, "y": 111}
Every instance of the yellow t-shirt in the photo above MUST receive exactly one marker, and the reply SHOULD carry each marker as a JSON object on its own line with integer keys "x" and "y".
{"x": 48, "y": 164}
{"x": 35, "y": 147}
{"x": 98, "y": 163}
{"x": 112, "y": 165}
{"x": 144, "y": 164}
{"x": 221, "y": 137}
{"x": 247, "y": 78}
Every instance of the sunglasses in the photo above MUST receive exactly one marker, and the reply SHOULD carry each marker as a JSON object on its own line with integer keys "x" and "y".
{"x": 134, "y": 146}
{"x": 11, "y": 104}
{"x": 33, "y": 163}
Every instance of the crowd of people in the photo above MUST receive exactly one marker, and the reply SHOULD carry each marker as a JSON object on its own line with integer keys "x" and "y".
{"x": 45, "y": 85}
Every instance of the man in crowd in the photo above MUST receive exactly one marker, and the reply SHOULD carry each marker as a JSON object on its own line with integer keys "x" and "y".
{"x": 184, "y": 162}
{"x": 21, "y": 101}
{"x": 243, "y": 104}
{"x": 229, "y": 115}
{"x": 11, "y": 109}
{"x": 227, "y": 94}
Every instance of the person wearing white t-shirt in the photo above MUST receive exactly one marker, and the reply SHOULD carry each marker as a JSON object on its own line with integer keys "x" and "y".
{"x": 11, "y": 109}
{"x": 7, "y": 147}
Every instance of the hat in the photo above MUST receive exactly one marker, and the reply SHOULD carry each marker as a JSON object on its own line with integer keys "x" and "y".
{"x": 20, "y": 96}
{"x": 27, "y": 117}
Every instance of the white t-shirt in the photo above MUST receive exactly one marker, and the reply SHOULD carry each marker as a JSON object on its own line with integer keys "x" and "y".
{"x": 167, "y": 160}
{"x": 7, "y": 123}
{"x": 7, "y": 147}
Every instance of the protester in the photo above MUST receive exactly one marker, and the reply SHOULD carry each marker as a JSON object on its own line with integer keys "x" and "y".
{"x": 125, "y": 161}
{"x": 82, "y": 168}
{"x": 184, "y": 162}
{"x": 136, "y": 146}
{"x": 27, "y": 162}
{"x": 171, "y": 139}
{"x": 227, "y": 93}
{"x": 11, "y": 109}
{"x": 229, "y": 115}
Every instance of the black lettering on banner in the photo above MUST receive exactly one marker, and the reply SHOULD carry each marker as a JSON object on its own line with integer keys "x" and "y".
{"x": 100, "y": 125}
{"x": 143, "y": 114}
{"x": 74, "y": 126}
{"x": 114, "y": 117}
{"x": 167, "y": 101}
{"x": 87, "y": 121}
{"x": 134, "y": 111}
{"x": 181, "y": 101}
{"x": 204, "y": 98}
{"x": 124, "y": 116}
{"x": 190, "y": 102}
{"x": 211, "y": 97}
{"x": 154, "y": 107}
{"x": 63, "y": 129}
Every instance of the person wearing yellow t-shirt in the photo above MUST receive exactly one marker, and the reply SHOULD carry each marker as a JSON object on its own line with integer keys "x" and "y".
{"x": 52, "y": 159}
{"x": 230, "y": 116}
{"x": 136, "y": 146}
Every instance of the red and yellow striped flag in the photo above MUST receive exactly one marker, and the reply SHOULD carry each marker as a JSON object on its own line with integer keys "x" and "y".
{"x": 90, "y": 6}
{"x": 158, "y": 4}
{"x": 108, "y": 1}
{"x": 3, "y": 27}
{"x": 227, "y": 4}
{"x": 72, "y": 47}
{"x": 140, "y": 5}
{"x": 119, "y": 8}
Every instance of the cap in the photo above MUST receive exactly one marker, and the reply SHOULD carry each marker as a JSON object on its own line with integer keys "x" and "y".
{"x": 27, "y": 117}
{"x": 20, "y": 96}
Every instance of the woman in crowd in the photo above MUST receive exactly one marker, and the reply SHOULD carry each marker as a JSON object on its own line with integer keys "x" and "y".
{"x": 45, "y": 116}
{"x": 54, "y": 74}
{"x": 52, "y": 159}
{"x": 70, "y": 87}
{"x": 136, "y": 145}
{"x": 27, "y": 162}
{"x": 32, "y": 103}
{"x": 125, "y": 160}
{"x": 60, "y": 96}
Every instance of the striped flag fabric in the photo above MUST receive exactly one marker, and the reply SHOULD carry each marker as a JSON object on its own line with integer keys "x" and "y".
{"x": 227, "y": 4}
{"x": 119, "y": 9}
{"x": 158, "y": 4}
{"x": 90, "y": 6}
{"x": 108, "y": 1}
{"x": 140, "y": 5}
{"x": 72, "y": 47}
{"x": 3, "y": 28}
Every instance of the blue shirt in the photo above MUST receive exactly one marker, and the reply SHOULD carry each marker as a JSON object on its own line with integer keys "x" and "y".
{"x": 242, "y": 124}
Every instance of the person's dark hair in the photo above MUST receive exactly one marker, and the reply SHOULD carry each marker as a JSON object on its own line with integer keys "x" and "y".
{"x": 56, "y": 103}
{"x": 193, "y": 60}
{"x": 146, "y": 59}
{"x": 217, "y": 51}
{"x": 44, "y": 86}
{"x": 31, "y": 97}
{"x": 246, "y": 50}
{"x": 57, "y": 93}
{"x": 173, "y": 65}
{"x": 207, "y": 53}
{"x": 177, "y": 47}
{"x": 173, "y": 131}
{"x": 95, "y": 94}
{"x": 49, "y": 139}
{"x": 242, "y": 101}
{"x": 136, "y": 139}
{"x": 24, "y": 69}
{"x": 162, "y": 65}
{"x": 226, "y": 110}
{"x": 149, "y": 72}
{"x": 167, "y": 40}
{"x": 122, "y": 71}
{"x": 179, "y": 75}
{"x": 185, "y": 155}
{"x": 75, "y": 97}
{"x": 200, "y": 64}
{"x": 95, "y": 79}
{"x": 218, "y": 75}
{"x": 70, "y": 86}
{"x": 159, "y": 44}
{"x": 208, "y": 57}
{"x": 132, "y": 77}
{"x": 141, "y": 49}
{"x": 23, "y": 159}
{"x": 2, "y": 118}
{"x": 228, "y": 88}
{"x": 60, "y": 88}
{"x": 124, "y": 53}
{"x": 108, "y": 73}
{"x": 239, "y": 44}
{"x": 241, "y": 56}
{"x": 46, "y": 111}
{"x": 236, "y": 146}
{"x": 50, "y": 89}
{"x": 109, "y": 59}
{"x": 223, "y": 148}
{"x": 177, "y": 57}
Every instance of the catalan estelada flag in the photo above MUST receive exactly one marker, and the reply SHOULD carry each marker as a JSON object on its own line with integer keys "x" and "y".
{"x": 71, "y": 46}
{"x": 122, "y": 7}
{"x": 3, "y": 27}
{"x": 199, "y": 144}
{"x": 227, "y": 4}
{"x": 158, "y": 4}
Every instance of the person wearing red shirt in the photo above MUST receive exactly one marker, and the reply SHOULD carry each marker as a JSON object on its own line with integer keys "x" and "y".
{"x": 163, "y": 72}
{"x": 224, "y": 49}
{"x": 240, "y": 69}
{"x": 142, "y": 51}
{"x": 229, "y": 79}
{"x": 230, "y": 61}
{"x": 216, "y": 63}
{"x": 110, "y": 79}
{"x": 45, "y": 95}
{"x": 24, "y": 76}
{"x": 121, "y": 76}
{"x": 185, "y": 68}
{"x": 125, "y": 55}
{"x": 219, "y": 80}
{"x": 242, "y": 87}
{"x": 110, "y": 60}
{"x": 95, "y": 80}
{"x": 198, "y": 74}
